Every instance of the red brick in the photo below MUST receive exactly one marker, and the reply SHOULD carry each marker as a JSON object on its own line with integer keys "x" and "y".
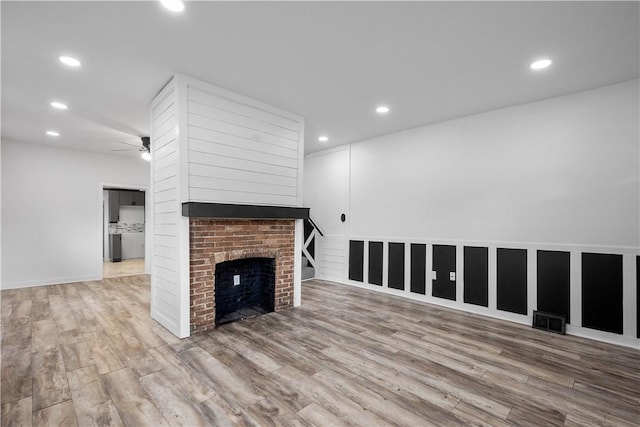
{"x": 218, "y": 240}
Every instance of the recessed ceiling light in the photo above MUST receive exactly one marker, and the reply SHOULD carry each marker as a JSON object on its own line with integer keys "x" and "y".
{"x": 146, "y": 156}
{"x": 383, "y": 109}
{"x": 541, "y": 64}
{"x": 59, "y": 105}
{"x": 323, "y": 138}
{"x": 70, "y": 61}
{"x": 53, "y": 133}
{"x": 173, "y": 5}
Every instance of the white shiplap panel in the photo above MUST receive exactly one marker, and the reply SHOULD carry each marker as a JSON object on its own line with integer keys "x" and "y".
{"x": 165, "y": 207}
{"x": 165, "y": 139}
{"x": 166, "y": 287}
{"x": 334, "y": 257}
{"x": 240, "y": 108}
{"x": 168, "y": 241}
{"x": 164, "y": 218}
{"x": 244, "y": 121}
{"x": 241, "y": 186}
{"x": 166, "y": 251}
{"x": 166, "y": 150}
{"x": 171, "y": 171}
{"x": 197, "y": 145}
{"x": 165, "y": 301}
{"x": 164, "y": 116}
{"x": 166, "y": 184}
{"x": 332, "y": 261}
{"x": 165, "y": 279}
{"x": 211, "y": 123}
{"x": 236, "y": 141}
{"x": 165, "y": 263}
{"x": 219, "y": 196}
{"x": 335, "y": 241}
{"x": 331, "y": 257}
{"x": 165, "y": 229}
{"x": 166, "y": 306}
{"x": 336, "y": 266}
{"x": 169, "y": 276}
{"x": 240, "y": 150}
{"x": 165, "y": 162}
{"x": 166, "y": 128}
{"x": 200, "y": 162}
{"x": 161, "y": 103}
{"x": 243, "y": 175}
{"x": 166, "y": 195}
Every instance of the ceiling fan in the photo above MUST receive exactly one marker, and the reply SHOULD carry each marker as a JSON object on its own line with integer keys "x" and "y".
{"x": 144, "y": 149}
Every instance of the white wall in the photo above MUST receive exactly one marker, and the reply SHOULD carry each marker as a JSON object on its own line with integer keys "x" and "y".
{"x": 327, "y": 178}
{"x": 556, "y": 174}
{"x": 563, "y": 170}
{"x": 52, "y": 211}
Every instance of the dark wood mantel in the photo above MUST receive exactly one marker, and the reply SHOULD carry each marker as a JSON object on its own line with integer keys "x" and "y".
{"x": 226, "y": 210}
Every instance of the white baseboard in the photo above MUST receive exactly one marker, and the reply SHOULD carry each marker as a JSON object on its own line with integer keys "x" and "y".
{"x": 47, "y": 282}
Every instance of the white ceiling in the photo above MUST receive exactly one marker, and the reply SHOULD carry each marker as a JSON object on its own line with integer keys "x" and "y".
{"x": 331, "y": 62}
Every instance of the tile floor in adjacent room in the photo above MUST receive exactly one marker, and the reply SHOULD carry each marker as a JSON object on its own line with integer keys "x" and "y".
{"x": 126, "y": 267}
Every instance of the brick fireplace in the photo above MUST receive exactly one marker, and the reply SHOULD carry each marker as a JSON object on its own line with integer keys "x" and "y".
{"x": 217, "y": 240}
{"x": 226, "y": 184}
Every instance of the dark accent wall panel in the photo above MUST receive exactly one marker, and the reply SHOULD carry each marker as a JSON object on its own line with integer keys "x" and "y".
{"x": 444, "y": 262}
{"x": 553, "y": 283}
{"x": 375, "y": 263}
{"x": 356, "y": 258}
{"x": 512, "y": 280}
{"x": 602, "y": 292}
{"x": 476, "y": 275}
{"x": 396, "y": 266}
{"x": 418, "y": 267}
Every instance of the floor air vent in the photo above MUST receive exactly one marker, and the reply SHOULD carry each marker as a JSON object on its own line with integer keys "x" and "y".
{"x": 549, "y": 322}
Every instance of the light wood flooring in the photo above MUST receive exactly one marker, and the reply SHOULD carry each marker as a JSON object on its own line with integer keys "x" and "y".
{"x": 126, "y": 267}
{"x": 89, "y": 354}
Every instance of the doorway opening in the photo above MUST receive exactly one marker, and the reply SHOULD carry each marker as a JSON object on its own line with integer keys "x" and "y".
{"x": 123, "y": 248}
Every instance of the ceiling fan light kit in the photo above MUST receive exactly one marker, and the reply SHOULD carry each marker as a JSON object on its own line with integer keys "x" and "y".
{"x": 145, "y": 149}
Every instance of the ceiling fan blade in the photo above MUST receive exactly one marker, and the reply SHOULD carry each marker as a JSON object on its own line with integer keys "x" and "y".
{"x": 128, "y": 143}
{"x": 127, "y": 149}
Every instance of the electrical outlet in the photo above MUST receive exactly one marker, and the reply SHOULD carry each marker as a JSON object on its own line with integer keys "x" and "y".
{"x": 452, "y": 276}
{"x": 236, "y": 279}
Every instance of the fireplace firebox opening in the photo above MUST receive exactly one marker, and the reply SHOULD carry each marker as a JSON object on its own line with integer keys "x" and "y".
{"x": 244, "y": 288}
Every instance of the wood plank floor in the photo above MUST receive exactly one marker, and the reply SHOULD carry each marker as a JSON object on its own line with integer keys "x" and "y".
{"x": 89, "y": 354}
